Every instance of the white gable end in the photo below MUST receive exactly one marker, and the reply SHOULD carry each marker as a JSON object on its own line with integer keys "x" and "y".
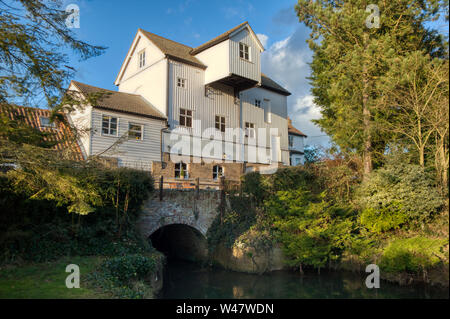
{"x": 148, "y": 80}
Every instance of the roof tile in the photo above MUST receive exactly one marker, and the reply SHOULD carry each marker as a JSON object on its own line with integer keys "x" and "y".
{"x": 121, "y": 102}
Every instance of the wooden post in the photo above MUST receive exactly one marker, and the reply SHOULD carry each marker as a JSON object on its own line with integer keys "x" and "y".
{"x": 161, "y": 183}
{"x": 197, "y": 187}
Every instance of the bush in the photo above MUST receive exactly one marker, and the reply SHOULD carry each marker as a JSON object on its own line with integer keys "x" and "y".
{"x": 398, "y": 193}
{"x": 39, "y": 229}
{"x": 129, "y": 267}
{"x": 412, "y": 254}
{"x": 126, "y": 276}
{"x": 383, "y": 219}
{"x": 313, "y": 231}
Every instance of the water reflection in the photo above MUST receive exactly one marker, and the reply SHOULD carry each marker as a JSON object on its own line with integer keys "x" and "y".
{"x": 187, "y": 280}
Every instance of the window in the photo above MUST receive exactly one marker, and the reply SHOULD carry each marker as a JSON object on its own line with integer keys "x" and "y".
{"x": 142, "y": 59}
{"x": 249, "y": 130}
{"x": 244, "y": 51}
{"x": 186, "y": 117}
{"x": 45, "y": 122}
{"x": 217, "y": 171}
{"x": 181, "y": 83}
{"x": 258, "y": 103}
{"x": 181, "y": 170}
{"x": 135, "y": 131}
{"x": 291, "y": 141}
{"x": 220, "y": 123}
{"x": 109, "y": 125}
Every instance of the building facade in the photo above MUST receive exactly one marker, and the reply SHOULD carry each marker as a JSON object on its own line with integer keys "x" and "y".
{"x": 190, "y": 112}
{"x": 296, "y": 145}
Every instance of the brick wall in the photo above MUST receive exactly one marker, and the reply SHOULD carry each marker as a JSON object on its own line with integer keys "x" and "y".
{"x": 232, "y": 171}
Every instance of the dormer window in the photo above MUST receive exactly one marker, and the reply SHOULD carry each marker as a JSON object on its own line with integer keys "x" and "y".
{"x": 244, "y": 51}
{"x": 45, "y": 122}
{"x": 142, "y": 59}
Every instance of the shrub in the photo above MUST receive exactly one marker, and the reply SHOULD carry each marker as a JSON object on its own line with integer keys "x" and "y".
{"x": 129, "y": 267}
{"x": 384, "y": 218}
{"x": 412, "y": 254}
{"x": 399, "y": 193}
{"x": 40, "y": 229}
{"x": 312, "y": 230}
{"x": 126, "y": 276}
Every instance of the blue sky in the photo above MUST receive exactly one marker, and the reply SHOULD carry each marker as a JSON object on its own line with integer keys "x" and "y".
{"x": 192, "y": 22}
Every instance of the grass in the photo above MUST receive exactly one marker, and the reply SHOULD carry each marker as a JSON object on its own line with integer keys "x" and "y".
{"x": 47, "y": 280}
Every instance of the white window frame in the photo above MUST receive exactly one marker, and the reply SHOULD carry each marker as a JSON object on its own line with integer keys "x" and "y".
{"x": 222, "y": 123}
{"x": 141, "y": 59}
{"x": 186, "y": 116}
{"x": 49, "y": 124}
{"x": 186, "y": 168}
{"x": 218, "y": 171}
{"x": 244, "y": 52}
{"x": 181, "y": 82}
{"x": 250, "y": 131}
{"x": 109, "y": 125}
{"x": 257, "y": 103}
{"x": 142, "y": 131}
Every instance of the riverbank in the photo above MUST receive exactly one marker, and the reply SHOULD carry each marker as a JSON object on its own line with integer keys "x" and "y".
{"x": 185, "y": 280}
{"x": 48, "y": 280}
{"x": 247, "y": 260}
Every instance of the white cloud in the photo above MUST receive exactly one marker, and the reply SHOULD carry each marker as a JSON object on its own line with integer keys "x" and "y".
{"x": 286, "y": 62}
{"x": 263, "y": 38}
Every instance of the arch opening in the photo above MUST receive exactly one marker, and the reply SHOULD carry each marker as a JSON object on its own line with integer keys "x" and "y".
{"x": 181, "y": 242}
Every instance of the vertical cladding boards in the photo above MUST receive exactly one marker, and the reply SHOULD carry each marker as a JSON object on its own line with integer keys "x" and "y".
{"x": 254, "y": 114}
{"x": 248, "y": 69}
{"x": 220, "y": 99}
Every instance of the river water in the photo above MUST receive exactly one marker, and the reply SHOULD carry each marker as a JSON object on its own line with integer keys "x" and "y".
{"x": 184, "y": 280}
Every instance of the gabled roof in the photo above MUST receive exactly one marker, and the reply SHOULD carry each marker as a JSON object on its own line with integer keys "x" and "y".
{"x": 174, "y": 49}
{"x": 270, "y": 84}
{"x": 121, "y": 102}
{"x": 292, "y": 130}
{"x": 223, "y": 37}
{"x": 61, "y": 133}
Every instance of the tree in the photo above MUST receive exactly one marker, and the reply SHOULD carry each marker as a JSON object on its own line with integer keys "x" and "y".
{"x": 33, "y": 60}
{"x": 34, "y": 67}
{"x": 351, "y": 53}
{"x": 416, "y": 89}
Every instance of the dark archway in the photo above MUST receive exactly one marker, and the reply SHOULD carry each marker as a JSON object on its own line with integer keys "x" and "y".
{"x": 179, "y": 241}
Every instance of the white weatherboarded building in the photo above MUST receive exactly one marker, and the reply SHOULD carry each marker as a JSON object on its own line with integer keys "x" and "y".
{"x": 166, "y": 87}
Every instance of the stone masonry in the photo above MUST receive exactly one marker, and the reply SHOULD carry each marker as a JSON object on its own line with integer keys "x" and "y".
{"x": 180, "y": 207}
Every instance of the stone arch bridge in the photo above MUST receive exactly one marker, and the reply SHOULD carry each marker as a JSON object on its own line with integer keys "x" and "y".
{"x": 185, "y": 207}
{"x": 178, "y": 224}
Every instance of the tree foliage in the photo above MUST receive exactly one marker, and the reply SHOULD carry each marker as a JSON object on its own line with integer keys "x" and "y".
{"x": 351, "y": 58}
{"x": 398, "y": 193}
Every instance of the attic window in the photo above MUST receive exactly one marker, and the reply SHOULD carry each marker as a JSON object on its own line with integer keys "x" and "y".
{"x": 45, "y": 122}
{"x": 142, "y": 59}
{"x": 244, "y": 51}
{"x": 257, "y": 103}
